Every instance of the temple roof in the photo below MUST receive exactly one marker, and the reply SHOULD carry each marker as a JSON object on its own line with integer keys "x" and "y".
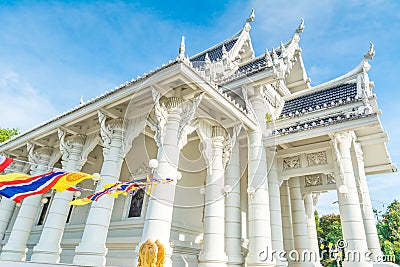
{"x": 215, "y": 52}
{"x": 329, "y": 97}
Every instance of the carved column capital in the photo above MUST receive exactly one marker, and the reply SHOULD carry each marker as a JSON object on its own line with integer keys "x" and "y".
{"x": 70, "y": 145}
{"x": 110, "y": 130}
{"x": 230, "y": 142}
{"x": 344, "y": 138}
{"x": 175, "y": 110}
{"x": 358, "y": 150}
{"x": 41, "y": 157}
{"x": 91, "y": 141}
{"x": 315, "y": 197}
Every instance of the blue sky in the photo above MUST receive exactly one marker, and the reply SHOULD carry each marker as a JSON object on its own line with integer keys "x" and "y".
{"x": 54, "y": 52}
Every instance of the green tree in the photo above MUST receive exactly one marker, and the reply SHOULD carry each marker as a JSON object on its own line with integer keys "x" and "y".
{"x": 329, "y": 231}
{"x": 389, "y": 231}
{"x": 6, "y": 134}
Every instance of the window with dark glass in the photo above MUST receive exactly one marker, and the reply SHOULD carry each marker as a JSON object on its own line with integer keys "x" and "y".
{"x": 43, "y": 212}
{"x": 135, "y": 209}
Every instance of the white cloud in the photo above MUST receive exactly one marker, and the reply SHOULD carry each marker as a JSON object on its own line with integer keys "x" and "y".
{"x": 21, "y": 105}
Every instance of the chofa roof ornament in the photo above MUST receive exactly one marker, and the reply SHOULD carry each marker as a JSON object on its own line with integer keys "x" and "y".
{"x": 251, "y": 17}
{"x": 300, "y": 29}
{"x": 371, "y": 52}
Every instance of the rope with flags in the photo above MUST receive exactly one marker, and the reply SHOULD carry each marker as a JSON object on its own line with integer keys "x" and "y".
{"x": 120, "y": 188}
{"x": 18, "y": 186}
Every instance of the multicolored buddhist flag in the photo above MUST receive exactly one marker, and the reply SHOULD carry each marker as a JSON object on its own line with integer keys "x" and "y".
{"x": 114, "y": 190}
{"x": 5, "y": 162}
{"x": 71, "y": 179}
{"x": 18, "y": 189}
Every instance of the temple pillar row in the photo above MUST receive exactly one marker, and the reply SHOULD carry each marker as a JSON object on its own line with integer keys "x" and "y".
{"x": 172, "y": 123}
{"x": 213, "y": 252}
{"x": 233, "y": 227}
{"x": 275, "y": 208}
{"x": 15, "y": 248}
{"x": 48, "y": 249}
{"x": 366, "y": 205}
{"x": 92, "y": 249}
{"x": 259, "y": 230}
{"x": 287, "y": 224}
{"x": 312, "y": 229}
{"x": 349, "y": 203}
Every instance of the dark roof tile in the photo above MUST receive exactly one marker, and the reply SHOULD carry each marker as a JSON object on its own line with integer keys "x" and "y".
{"x": 335, "y": 95}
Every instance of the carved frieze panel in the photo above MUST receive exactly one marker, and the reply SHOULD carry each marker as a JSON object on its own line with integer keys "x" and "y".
{"x": 291, "y": 163}
{"x": 313, "y": 180}
{"x": 317, "y": 158}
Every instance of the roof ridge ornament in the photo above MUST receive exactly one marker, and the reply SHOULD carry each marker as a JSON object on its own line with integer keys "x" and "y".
{"x": 300, "y": 29}
{"x": 268, "y": 58}
{"x": 251, "y": 16}
{"x": 371, "y": 52}
{"x": 182, "y": 49}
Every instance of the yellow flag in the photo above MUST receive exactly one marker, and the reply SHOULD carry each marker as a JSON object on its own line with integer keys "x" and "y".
{"x": 80, "y": 202}
{"x": 70, "y": 180}
{"x": 13, "y": 177}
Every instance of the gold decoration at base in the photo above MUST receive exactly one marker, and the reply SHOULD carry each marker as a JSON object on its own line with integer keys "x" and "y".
{"x": 148, "y": 254}
{"x": 160, "y": 254}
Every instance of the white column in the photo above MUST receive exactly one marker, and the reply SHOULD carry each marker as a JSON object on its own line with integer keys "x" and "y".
{"x": 159, "y": 211}
{"x": 349, "y": 203}
{"x": 92, "y": 249}
{"x": 233, "y": 227}
{"x": 366, "y": 205}
{"x": 7, "y": 206}
{"x": 275, "y": 209}
{"x": 259, "y": 226}
{"x": 49, "y": 249}
{"x": 300, "y": 231}
{"x": 287, "y": 225}
{"x": 312, "y": 229}
{"x": 213, "y": 251}
{"x": 16, "y": 249}
{"x": 170, "y": 126}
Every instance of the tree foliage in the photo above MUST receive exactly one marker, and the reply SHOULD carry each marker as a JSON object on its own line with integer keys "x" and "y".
{"x": 329, "y": 231}
{"x": 6, "y": 134}
{"x": 389, "y": 231}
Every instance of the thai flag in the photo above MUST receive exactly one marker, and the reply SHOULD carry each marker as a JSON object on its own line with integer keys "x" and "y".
{"x": 4, "y": 162}
{"x": 17, "y": 190}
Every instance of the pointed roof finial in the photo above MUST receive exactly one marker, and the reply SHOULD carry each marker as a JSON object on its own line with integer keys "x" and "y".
{"x": 274, "y": 56}
{"x": 371, "y": 52}
{"x": 268, "y": 58}
{"x": 283, "y": 48}
{"x": 81, "y": 102}
{"x": 252, "y": 16}
{"x": 300, "y": 29}
{"x": 182, "y": 48}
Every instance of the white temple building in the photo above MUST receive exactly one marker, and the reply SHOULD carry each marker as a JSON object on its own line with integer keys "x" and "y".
{"x": 250, "y": 146}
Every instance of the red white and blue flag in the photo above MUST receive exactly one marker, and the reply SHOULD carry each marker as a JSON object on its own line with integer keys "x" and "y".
{"x": 5, "y": 162}
{"x": 17, "y": 190}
